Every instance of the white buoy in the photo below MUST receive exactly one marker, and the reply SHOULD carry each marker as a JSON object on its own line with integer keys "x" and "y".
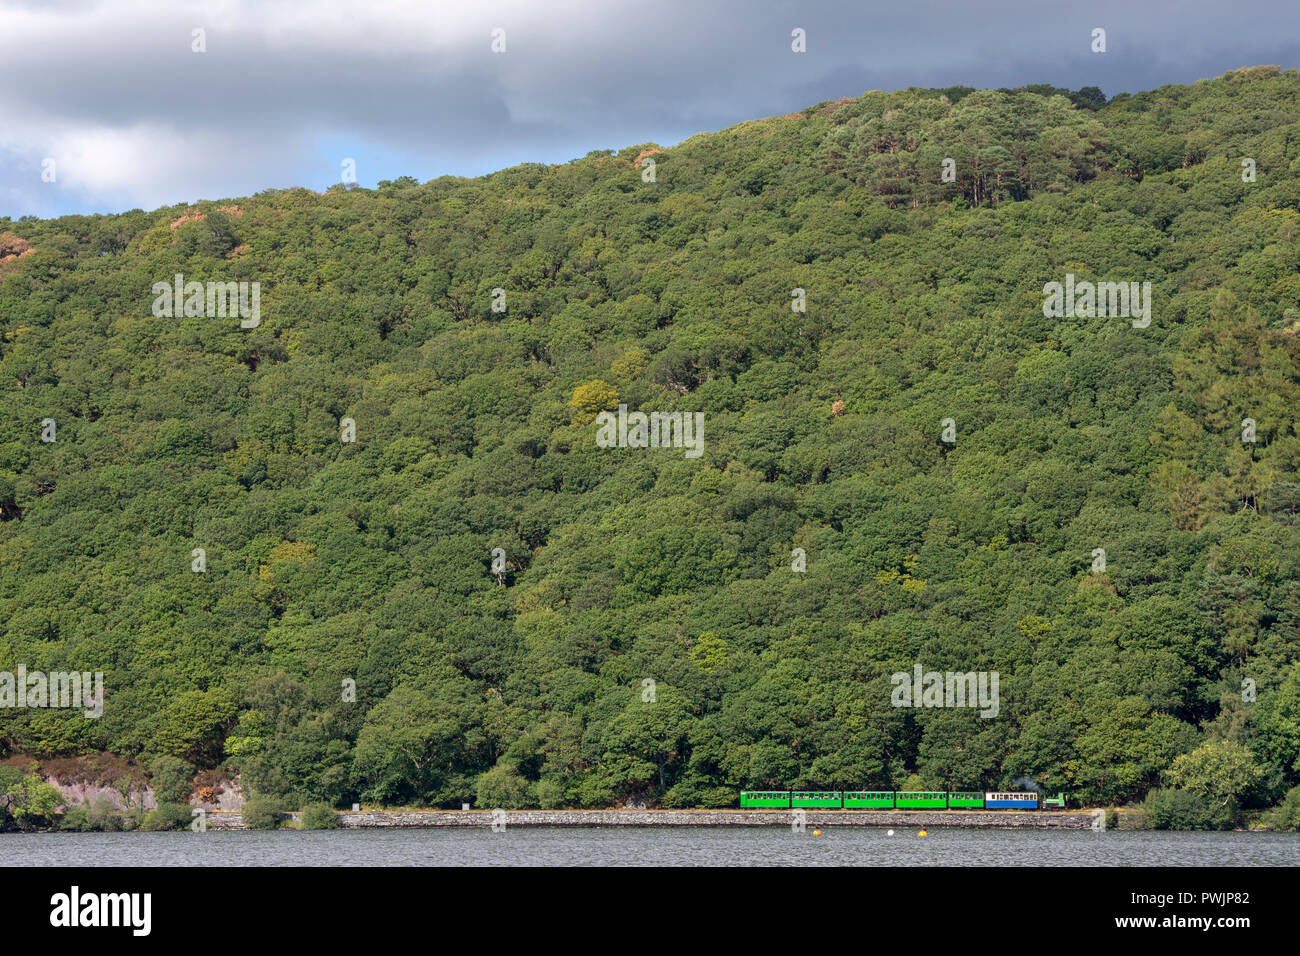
{"x": 890, "y": 833}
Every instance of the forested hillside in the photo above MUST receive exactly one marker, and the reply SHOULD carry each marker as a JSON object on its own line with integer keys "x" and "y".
{"x": 648, "y": 638}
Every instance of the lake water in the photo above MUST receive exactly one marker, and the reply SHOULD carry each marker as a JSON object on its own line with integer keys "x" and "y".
{"x": 645, "y": 846}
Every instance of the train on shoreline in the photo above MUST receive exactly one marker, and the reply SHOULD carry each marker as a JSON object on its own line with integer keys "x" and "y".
{"x": 900, "y": 800}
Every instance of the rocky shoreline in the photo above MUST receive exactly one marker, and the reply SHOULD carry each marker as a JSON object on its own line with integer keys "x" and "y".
{"x": 933, "y": 819}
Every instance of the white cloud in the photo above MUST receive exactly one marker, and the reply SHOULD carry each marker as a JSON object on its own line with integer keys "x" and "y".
{"x": 113, "y": 91}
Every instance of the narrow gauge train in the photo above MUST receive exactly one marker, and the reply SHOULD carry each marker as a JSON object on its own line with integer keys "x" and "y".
{"x": 896, "y": 800}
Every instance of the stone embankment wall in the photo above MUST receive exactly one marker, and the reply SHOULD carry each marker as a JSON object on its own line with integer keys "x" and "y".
{"x": 903, "y": 819}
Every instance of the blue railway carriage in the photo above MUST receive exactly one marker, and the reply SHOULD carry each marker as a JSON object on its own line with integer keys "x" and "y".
{"x": 1017, "y": 800}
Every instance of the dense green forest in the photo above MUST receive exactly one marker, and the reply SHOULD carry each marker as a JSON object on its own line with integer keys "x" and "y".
{"x": 642, "y": 635}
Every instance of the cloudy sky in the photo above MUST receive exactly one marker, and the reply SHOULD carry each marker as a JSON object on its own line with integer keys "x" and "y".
{"x": 131, "y": 116}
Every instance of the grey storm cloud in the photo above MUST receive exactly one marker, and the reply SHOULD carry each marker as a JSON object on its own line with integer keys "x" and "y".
{"x": 114, "y": 92}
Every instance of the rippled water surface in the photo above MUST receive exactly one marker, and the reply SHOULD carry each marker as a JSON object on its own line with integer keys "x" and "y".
{"x": 518, "y": 846}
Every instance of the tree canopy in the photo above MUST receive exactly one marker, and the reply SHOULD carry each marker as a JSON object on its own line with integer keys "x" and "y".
{"x": 471, "y": 598}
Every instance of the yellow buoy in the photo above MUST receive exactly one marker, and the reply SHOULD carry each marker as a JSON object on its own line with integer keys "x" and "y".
{"x": 921, "y": 833}
{"x": 817, "y": 833}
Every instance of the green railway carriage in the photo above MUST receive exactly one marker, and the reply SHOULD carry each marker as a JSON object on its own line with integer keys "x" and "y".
{"x": 817, "y": 798}
{"x": 921, "y": 801}
{"x": 889, "y": 800}
{"x": 856, "y": 799}
{"x": 765, "y": 798}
